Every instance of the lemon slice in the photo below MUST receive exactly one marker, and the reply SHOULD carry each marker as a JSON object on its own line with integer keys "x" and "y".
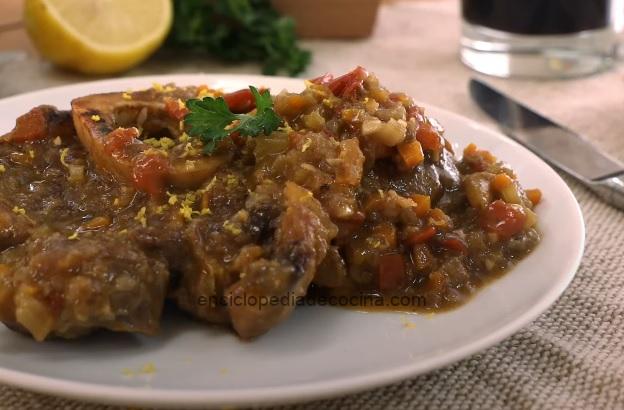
{"x": 97, "y": 36}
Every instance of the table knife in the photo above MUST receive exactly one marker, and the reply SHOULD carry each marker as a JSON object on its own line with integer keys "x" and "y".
{"x": 561, "y": 147}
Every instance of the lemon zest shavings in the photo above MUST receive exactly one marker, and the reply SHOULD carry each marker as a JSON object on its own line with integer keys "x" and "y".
{"x": 63, "y": 156}
{"x": 187, "y": 212}
{"x": 231, "y": 181}
{"x": 140, "y": 216}
{"x": 160, "y": 209}
{"x": 163, "y": 89}
{"x": 173, "y": 198}
{"x": 148, "y": 368}
{"x": 232, "y": 228}
{"x": 156, "y": 151}
{"x": 184, "y": 137}
{"x": 306, "y": 145}
{"x": 407, "y": 324}
{"x": 211, "y": 184}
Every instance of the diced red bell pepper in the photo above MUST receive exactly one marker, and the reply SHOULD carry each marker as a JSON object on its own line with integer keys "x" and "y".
{"x": 503, "y": 219}
{"x": 241, "y": 101}
{"x": 391, "y": 271}
{"x": 117, "y": 140}
{"x": 150, "y": 174}
{"x": 238, "y": 139}
{"x": 176, "y": 109}
{"x": 323, "y": 80}
{"x": 347, "y": 85}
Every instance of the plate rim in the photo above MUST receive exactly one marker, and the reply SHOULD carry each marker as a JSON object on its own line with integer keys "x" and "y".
{"x": 305, "y": 391}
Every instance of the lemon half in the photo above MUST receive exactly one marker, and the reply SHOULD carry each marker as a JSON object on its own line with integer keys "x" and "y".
{"x": 97, "y": 36}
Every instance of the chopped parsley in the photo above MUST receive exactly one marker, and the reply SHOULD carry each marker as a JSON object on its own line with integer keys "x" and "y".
{"x": 211, "y": 120}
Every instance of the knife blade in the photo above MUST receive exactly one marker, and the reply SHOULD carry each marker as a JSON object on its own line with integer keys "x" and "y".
{"x": 555, "y": 143}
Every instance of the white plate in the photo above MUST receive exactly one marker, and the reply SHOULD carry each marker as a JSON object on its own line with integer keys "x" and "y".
{"x": 319, "y": 351}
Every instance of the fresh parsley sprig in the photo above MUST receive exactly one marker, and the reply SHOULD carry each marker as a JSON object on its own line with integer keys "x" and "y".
{"x": 211, "y": 120}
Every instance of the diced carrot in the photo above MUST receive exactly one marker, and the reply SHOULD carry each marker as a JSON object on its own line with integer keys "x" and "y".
{"x": 429, "y": 138}
{"x": 501, "y": 181}
{"x": 503, "y": 219}
{"x": 297, "y": 102}
{"x": 423, "y": 204}
{"x": 487, "y": 156}
{"x": 421, "y": 236}
{"x": 477, "y": 159}
{"x": 470, "y": 149}
{"x": 391, "y": 271}
{"x": 411, "y": 153}
{"x": 534, "y": 195}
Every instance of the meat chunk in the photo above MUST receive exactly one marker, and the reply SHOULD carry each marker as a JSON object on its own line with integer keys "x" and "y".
{"x": 14, "y": 227}
{"x": 114, "y": 128}
{"x": 55, "y": 286}
{"x": 39, "y": 123}
{"x": 300, "y": 243}
{"x": 268, "y": 250}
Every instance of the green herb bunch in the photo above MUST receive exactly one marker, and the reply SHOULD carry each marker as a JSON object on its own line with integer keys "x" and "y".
{"x": 239, "y": 31}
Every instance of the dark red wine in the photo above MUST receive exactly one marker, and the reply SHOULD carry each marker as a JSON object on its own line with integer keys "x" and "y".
{"x": 538, "y": 16}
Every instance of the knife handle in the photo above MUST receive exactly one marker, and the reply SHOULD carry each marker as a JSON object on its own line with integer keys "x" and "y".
{"x": 610, "y": 189}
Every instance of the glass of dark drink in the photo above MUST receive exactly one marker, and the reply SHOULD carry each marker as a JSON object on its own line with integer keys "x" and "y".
{"x": 540, "y": 38}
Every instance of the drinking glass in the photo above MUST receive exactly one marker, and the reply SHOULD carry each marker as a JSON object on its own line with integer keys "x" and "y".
{"x": 540, "y": 38}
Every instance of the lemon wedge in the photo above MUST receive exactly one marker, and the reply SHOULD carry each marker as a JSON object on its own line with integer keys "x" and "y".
{"x": 97, "y": 36}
